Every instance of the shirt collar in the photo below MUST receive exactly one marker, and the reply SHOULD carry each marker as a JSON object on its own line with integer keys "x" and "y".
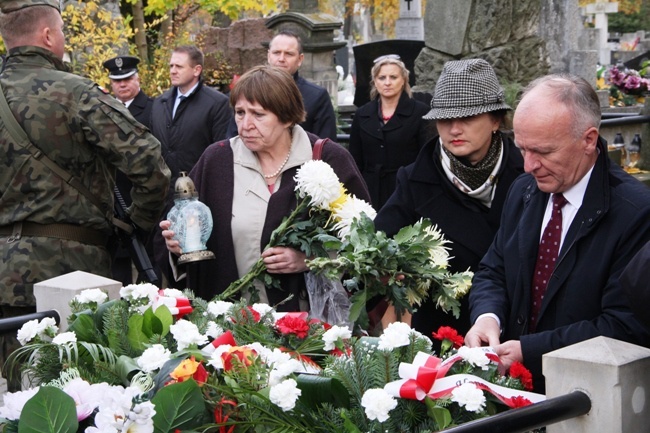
{"x": 189, "y": 92}
{"x": 576, "y": 193}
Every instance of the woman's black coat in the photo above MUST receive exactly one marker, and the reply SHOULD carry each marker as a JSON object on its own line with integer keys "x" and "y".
{"x": 380, "y": 151}
{"x": 424, "y": 191}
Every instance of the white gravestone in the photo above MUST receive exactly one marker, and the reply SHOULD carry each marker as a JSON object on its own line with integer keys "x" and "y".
{"x": 614, "y": 375}
{"x": 56, "y": 293}
{"x": 600, "y": 9}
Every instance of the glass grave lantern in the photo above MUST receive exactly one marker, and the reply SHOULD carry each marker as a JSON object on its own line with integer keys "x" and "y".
{"x": 191, "y": 221}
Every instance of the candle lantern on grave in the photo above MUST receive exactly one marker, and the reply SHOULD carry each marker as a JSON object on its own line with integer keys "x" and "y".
{"x": 191, "y": 221}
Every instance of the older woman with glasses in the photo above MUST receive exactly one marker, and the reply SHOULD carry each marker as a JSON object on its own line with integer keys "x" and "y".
{"x": 387, "y": 132}
{"x": 460, "y": 178}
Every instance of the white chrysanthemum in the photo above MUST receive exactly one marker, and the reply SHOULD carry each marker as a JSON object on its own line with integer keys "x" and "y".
{"x": 462, "y": 285}
{"x": 439, "y": 257}
{"x": 285, "y": 394}
{"x": 213, "y": 330}
{"x": 65, "y": 338}
{"x": 395, "y": 335}
{"x": 28, "y": 331}
{"x": 13, "y": 403}
{"x": 332, "y": 335}
{"x": 97, "y": 296}
{"x": 469, "y": 396}
{"x": 347, "y": 211}
{"x": 377, "y": 404}
{"x": 475, "y": 356}
{"x": 434, "y": 232}
{"x": 282, "y": 369}
{"x": 154, "y": 358}
{"x": 317, "y": 179}
{"x": 187, "y": 333}
{"x": 173, "y": 293}
{"x": 219, "y": 308}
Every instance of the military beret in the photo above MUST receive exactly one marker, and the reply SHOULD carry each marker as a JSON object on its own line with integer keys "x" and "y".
{"x": 121, "y": 67}
{"x": 7, "y": 6}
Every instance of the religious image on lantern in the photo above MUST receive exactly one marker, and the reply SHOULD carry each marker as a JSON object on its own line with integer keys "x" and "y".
{"x": 191, "y": 221}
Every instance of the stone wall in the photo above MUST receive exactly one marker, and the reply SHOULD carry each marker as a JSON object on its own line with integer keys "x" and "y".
{"x": 240, "y": 43}
{"x": 522, "y": 39}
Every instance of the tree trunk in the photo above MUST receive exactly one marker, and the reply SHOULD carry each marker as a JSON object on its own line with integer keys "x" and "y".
{"x": 140, "y": 31}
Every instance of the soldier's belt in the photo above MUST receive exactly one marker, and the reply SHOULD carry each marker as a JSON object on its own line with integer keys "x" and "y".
{"x": 69, "y": 232}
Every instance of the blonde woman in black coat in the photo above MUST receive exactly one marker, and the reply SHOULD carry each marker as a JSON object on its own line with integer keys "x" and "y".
{"x": 387, "y": 132}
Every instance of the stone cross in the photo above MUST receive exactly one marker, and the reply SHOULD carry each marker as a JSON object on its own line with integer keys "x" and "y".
{"x": 600, "y": 9}
{"x": 410, "y": 24}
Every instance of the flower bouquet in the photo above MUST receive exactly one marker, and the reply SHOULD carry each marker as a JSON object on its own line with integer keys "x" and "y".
{"x": 329, "y": 222}
{"x": 164, "y": 361}
{"x": 626, "y": 87}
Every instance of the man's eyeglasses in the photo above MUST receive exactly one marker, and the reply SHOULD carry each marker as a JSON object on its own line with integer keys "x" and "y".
{"x": 387, "y": 57}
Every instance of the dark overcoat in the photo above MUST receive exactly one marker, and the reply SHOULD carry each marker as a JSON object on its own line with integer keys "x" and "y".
{"x": 584, "y": 298}
{"x": 424, "y": 191}
{"x": 380, "y": 151}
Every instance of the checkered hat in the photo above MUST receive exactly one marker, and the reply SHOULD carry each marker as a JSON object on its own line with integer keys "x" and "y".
{"x": 466, "y": 88}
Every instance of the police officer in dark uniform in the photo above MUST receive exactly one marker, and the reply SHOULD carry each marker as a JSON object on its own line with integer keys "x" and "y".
{"x": 125, "y": 83}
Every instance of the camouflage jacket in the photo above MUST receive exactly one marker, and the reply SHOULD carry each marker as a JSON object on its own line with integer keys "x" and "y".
{"x": 86, "y": 132}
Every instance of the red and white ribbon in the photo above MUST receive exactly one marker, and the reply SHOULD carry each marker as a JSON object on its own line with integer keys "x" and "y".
{"x": 179, "y": 307}
{"x": 426, "y": 377}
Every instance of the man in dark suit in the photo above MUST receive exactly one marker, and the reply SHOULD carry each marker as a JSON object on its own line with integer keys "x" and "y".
{"x": 286, "y": 52}
{"x": 125, "y": 83}
{"x": 525, "y": 300}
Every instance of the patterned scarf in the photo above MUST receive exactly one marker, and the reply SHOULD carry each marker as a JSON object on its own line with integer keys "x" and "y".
{"x": 475, "y": 176}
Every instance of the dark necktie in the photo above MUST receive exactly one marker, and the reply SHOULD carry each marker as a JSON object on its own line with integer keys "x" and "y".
{"x": 181, "y": 98}
{"x": 549, "y": 248}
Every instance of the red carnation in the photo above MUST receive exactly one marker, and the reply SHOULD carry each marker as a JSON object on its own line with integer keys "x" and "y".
{"x": 518, "y": 371}
{"x": 293, "y": 325}
{"x": 449, "y": 333}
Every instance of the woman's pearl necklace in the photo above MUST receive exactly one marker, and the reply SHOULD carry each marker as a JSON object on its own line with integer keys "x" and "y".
{"x": 277, "y": 172}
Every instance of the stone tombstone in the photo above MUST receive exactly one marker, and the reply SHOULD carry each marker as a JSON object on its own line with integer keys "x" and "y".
{"x": 241, "y": 44}
{"x": 365, "y": 54}
{"x": 56, "y": 293}
{"x": 521, "y": 39}
{"x": 614, "y": 375}
{"x": 410, "y": 24}
{"x": 601, "y": 8}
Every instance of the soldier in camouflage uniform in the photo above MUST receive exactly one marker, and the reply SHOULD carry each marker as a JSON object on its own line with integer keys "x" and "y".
{"x": 47, "y": 227}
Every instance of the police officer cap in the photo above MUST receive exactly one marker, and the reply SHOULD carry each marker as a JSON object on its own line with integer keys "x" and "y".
{"x": 7, "y": 6}
{"x": 121, "y": 67}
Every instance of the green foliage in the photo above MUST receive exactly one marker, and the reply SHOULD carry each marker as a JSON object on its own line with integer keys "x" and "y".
{"x": 50, "y": 411}
{"x": 178, "y": 406}
{"x": 231, "y": 8}
{"x": 404, "y": 269}
{"x": 94, "y": 35}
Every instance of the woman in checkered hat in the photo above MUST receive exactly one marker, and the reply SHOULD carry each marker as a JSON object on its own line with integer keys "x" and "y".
{"x": 460, "y": 178}
{"x": 388, "y": 132}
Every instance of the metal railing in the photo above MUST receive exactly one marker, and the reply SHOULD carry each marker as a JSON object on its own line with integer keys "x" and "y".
{"x": 530, "y": 417}
{"x": 12, "y": 324}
